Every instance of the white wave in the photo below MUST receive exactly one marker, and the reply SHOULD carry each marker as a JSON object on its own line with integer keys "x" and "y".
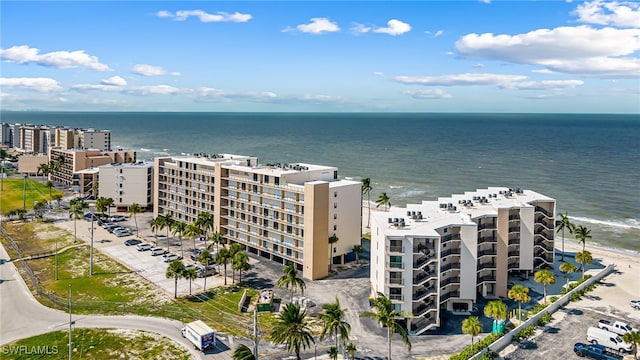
{"x": 145, "y": 150}
{"x": 395, "y": 187}
{"x": 626, "y": 224}
{"x": 348, "y": 178}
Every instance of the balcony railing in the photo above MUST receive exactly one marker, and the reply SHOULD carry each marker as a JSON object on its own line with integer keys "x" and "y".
{"x": 513, "y": 265}
{"x": 395, "y": 265}
{"x": 395, "y": 249}
{"x": 487, "y": 252}
{"x": 484, "y": 226}
{"x": 423, "y": 309}
{"x": 514, "y": 228}
{"x": 453, "y": 280}
{"x": 452, "y": 251}
{"x": 514, "y": 253}
{"x": 423, "y": 248}
{"x": 544, "y": 211}
{"x": 394, "y": 280}
{"x": 486, "y": 239}
{"x": 422, "y": 278}
{"x": 486, "y": 278}
{"x": 449, "y": 295}
{"x": 448, "y": 267}
{"x": 486, "y": 265}
{"x": 421, "y": 262}
{"x": 450, "y": 237}
{"x": 396, "y": 297}
{"x": 422, "y": 293}
{"x": 514, "y": 217}
{"x": 514, "y": 241}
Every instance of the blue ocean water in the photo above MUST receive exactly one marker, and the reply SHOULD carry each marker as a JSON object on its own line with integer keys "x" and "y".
{"x": 588, "y": 162}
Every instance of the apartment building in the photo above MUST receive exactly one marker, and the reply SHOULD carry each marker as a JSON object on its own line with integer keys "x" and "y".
{"x": 442, "y": 255}
{"x": 94, "y": 139}
{"x": 5, "y": 134}
{"x": 282, "y": 212}
{"x": 127, "y": 184}
{"x": 79, "y": 168}
{"x": 65, "y": 138}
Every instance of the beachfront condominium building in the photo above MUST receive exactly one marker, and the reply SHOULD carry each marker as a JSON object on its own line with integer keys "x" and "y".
{"x": 282, "y": 212}
{"x": 79, "y": 168}
{"x": 5, "y": 134}
{"x": 442, "y": 255}
{"x": 35, "y": 139}
{"x": 65, "y": 138}
{"x": 127, "y": 184}
{"x": 94, "y": 139}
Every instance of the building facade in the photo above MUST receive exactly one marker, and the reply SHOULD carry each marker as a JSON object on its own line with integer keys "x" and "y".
{"x": 79, "y": 168}
{"x": 442, "y": 255}
{"x": 127, "y": 184}
{"x": 283, "y": 212}
{"x": 94, "y": 139}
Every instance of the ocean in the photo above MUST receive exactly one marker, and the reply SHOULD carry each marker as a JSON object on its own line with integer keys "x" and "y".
{"x": 590, "y": 163}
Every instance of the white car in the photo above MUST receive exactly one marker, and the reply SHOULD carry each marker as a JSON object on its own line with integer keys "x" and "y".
{"x": 172, "y": 257}
{"x": 143, "y": 247}
{"x": 635, "y": 304}
{"x": 157, "y": 251}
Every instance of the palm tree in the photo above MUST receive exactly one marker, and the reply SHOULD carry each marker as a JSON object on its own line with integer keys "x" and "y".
{"x": 332, "y": 240}
{"x": 568, "y": 268}
{"x": 155, "y": 224}
{"x": 561, "y": 225}
{"x": 358, "y": 249}
{"x": 520, "y": 294}
{"x": 497, "y": 310}
{"x": 223, "y": 257}
{"x": 101, "y": 204}
{"x": 386, "y": 316}
{"x": 471, "y": 326}
{"x": 333, "y": 353}
{"x": 334, "y": 323}
{"x": 38, "y": 209}
{"x": 175, "y": 271}
{"x": 178, "y": 227}
{"x": 351, "y": 350}
{"x": 242, "y": 352}
{"x": 241, "y": 263}
{"x": 217, "y": 238}
{"x": 584, "y": 258}
{"x": 632, "y": 337}
{"x": 205, "y": 222}
{"x": 204, "y": 258}
{"x": 366, "y": 190}
{"x": 44, "y": 170}
{"x": 108, "y": 203}
{"x": 49, "y": 184}
{"x": 76, "y": 211}
{"x": 57, "y": 197}
{"x": 544, "y": 277}
{"x": 383, "y": 200}
{"x": 193, "y": 231}
{"x": 165, "y": 223}
{"x": 290, "y": 278}
{"x": 190, "y": 274}
{"x": 133, "y": 210}
{"x": 582, "y": 234}
{"x": 292, "y": 329}
{"x": 233, "y": 250}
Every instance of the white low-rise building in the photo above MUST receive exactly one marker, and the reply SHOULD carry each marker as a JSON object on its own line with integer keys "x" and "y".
{"x": 443, "y": 255}
{"x": 127, "y": 184}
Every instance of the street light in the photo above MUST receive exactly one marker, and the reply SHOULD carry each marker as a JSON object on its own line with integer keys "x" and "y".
{"x": 91, "y": 250}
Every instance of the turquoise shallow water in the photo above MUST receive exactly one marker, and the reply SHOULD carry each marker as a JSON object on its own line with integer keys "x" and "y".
{"x": 590, "y": 163}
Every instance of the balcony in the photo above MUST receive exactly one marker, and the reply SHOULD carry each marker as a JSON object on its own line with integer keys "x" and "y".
{"x": 395, "y": 249}
{"x": 395, "y": 265}
{"x": 422, "y": 278}
{"x": 544, "y": 211}
{"x": 486, "y": 239}
{"x": 449, "y": 295}
{"x": 423, "y": 309}
{"x": 423, "y": 293}
{"x": 452, "y": 251}
{"x": 487, "y": 252}
{"x": 396, "y": 297}
{"x": 424, "y": 249}
{"x": 513, "y": 229}
{"x": 452, "y": 266}
{"x": 450, "y": 237}
{"x": 421, "y": 262}
{"x": 453, "y": 280}
{"x": 486, "y": 265}
{"x": 487, "y": 278}
{"x": 514, "y": 217}
{"x": 514, "y": 241}
{"x": 513, "y": 265}
{"x": 514, "y": 253}
{"x": 394, "y": 280}
{"x": 487, "y": 226}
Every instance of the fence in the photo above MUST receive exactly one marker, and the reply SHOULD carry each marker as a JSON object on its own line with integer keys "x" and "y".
{"x": 506, "y": 339}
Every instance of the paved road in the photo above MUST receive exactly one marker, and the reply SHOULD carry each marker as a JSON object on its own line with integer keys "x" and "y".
{"x": 22, "y": 316}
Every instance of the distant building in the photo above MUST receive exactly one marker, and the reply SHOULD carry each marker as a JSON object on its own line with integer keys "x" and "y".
{"x": 282, "y": 212}
{"x": 79, "y": 168}
{"x": 14, "y": 135}
{"x": 5, "y": 134}
{"x": 65, "y": 138}
{"x": 443, "y": 255}
{"x": 94, "y": 139}
{"x": 127, "y": 184}
{"x": 29, "y": 164}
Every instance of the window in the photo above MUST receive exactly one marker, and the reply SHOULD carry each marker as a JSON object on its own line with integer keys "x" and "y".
{"x": 335, "y": 216}
{"x": 335, "y": 205}
{"x": 335, "y": 194}
{"x": 255, "y": 177}
{"x": 335, "y": 227}
{"x": 276, "y": 180}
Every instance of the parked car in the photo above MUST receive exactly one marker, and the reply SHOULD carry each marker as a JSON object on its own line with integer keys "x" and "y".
{"x": 191, "y": 266}
{"x": 194, "y": 255}
{"x": 132, "y": 242}
{"x": 608, "y": 339}
{"x": 172, "y": 257}
{"x": 118, "y": 218}
{"x": 206, "y": 271}
{"x": 597, "y": 352}
{"x": 123, "y": 233}
{"x": 113, "y": 229}
{"x": 143, "y": 247}
{"x": 109, "y": 226}
{"x": 617, "y": 327}
{"x": 157, "y": 251}
{"x": 635, "y": 304}
{"x": 90, "y": 216}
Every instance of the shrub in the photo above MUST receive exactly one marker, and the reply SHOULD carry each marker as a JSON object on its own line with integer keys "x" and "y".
{"x": 553, "y": 299}
{"x": 524, "y": 333}
{"x": 545, "y": 319}
{"x": 469, "y": 351}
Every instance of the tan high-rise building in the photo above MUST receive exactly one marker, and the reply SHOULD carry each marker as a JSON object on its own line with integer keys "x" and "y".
{"x": 441, "y": 255}
{"x": 282, "y": 212}
{"x": 65, "y": 138}
{"x": 79, "y": 168}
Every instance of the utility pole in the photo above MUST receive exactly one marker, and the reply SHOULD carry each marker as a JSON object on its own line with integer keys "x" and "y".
{"x": 256, "y": 335}
{"x": 91, "y": 250}
{"x": 56, "y": 256}
{"x": 70, "y": 323}
{"x": 24, "y": 193}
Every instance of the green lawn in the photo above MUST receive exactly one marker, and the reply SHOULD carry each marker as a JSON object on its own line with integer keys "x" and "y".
{"x": 95, "y": 344}
{"x": 13, "y": 195}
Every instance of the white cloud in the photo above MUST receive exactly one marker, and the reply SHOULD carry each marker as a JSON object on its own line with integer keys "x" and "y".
{"x": 378, "y": 73}
{"x": 615, "y": 13}
{"x": 152, "y": 90}
{"x": 150, "y": 70}
{"x": 394, "y": 27}
{"x": 24, "y": 54}
{"x": 207, "y": 94}
{"x": 34, "y": 84}
{"x": 542, "y": 71}
{"x": 542, "y": 85}
{"x": 580, "y": 50}
{"x": 459, "y": 79}
{"x": 428, "y": 94}
{"x": 485, "y": 1}
{"x": 478, "y": 66}
{"x": 205, "y": 17}
{"x": 438, "y": 33}
{"x": 316, "y": 26}
{"x": 114, "y": 81}
{"x": 360, "y": 29}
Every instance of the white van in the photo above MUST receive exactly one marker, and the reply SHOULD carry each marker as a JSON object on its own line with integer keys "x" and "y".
{"x": 608, "y": 339}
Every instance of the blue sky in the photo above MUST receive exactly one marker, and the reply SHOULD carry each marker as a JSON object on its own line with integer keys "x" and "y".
{"x": 415, "y": 56}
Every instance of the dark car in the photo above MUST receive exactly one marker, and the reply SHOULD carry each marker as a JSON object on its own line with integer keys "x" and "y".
{"x": 132, "y": 242}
